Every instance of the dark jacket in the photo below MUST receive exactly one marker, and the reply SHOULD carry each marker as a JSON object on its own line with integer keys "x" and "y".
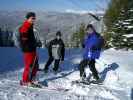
{"x": 28, "y": 41}
{"x": 61, "y": 49}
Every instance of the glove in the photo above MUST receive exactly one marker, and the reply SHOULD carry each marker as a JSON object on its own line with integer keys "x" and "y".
{"x": 62, "y": 59}
{"x": 95, "y": 48}
{"x": 39, "y": 44}
{"x": 83, "y": 46}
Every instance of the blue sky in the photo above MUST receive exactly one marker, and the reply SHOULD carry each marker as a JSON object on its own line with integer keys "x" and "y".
{"x": 53, "y": 5}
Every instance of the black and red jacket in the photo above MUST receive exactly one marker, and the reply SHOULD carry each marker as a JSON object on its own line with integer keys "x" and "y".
{"x": 28, "y": 41}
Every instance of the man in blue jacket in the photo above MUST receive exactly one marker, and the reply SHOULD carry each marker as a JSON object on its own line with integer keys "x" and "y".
{"x": 92, "y": 45}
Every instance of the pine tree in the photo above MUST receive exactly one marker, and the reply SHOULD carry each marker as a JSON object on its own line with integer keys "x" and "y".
{"x": 0, "y": 37}
{"x": 129, "y": 27}
{"x": 79, "y": 35}
{"x": 118, "y": 29}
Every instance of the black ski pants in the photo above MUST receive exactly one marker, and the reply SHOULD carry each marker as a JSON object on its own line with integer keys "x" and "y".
{"x": 92, "y": 67}
{"x": 56, "y": 63}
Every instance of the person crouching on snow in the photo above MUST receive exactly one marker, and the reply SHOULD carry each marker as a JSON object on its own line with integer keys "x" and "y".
{"x": 56, "y": 50}
{"x": 92, "y": 45}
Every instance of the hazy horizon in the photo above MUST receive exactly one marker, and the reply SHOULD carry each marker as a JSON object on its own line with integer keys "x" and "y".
{"x": 53, "y": 5}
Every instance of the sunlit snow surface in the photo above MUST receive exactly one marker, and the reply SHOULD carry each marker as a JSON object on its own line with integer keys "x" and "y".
{"x": 114, "y": 67}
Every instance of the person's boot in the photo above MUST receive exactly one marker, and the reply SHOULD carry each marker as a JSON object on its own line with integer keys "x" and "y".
{"x": 22, "y": 83}
{"x": 55, "y": 71}
{"x": 98, "y": 80}
{"x": 45, "y": 70}
{"x": 83, "y": 78}
{"x": 35, "y": 85}
{"x": 34, "y": 80}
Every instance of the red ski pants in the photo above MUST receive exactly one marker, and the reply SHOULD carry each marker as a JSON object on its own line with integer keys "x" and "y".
{"x": 31, "y": 66}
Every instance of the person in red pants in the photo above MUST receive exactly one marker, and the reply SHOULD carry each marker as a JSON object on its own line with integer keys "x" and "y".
{"x": 28, "y": 46}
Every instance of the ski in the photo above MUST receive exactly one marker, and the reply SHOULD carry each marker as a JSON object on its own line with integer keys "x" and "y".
{"x": 86, "y": 82}
{"x": 42, "y": 87}
{"x": 51, "y": 89}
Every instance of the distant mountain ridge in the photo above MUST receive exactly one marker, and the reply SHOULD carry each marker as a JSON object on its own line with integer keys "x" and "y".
{"x": 47, "y": 22}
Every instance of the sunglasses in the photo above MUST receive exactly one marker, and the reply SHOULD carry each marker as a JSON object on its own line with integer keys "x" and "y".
{"x": 33, "y": 18}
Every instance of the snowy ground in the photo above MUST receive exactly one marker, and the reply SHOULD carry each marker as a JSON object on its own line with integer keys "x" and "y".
{"x": 115, "y": 68}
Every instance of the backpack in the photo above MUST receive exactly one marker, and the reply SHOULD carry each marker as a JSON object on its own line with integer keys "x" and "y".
{"x": 100, "y": 43}
{"x": 16, "y": 37}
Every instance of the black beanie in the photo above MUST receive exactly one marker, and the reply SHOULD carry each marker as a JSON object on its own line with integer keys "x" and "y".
{"x": 58, "y": 33}
{"x": 30, "y": 14}
{"x": 89, "y": 26}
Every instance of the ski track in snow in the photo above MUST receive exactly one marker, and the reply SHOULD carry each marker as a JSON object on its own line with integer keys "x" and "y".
{"x": 115, "y": 68}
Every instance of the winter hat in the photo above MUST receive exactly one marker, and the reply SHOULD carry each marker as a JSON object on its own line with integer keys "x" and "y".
{"x": 90, "y": 26}
{"x": 58, "y": 33}
{"x": 30, "y": 14}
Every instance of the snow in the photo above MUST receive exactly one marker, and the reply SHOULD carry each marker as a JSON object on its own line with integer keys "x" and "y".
{"x": 84, "y": 11}
{"x": 112, "y": 78}
{"x": 128, "y": 35}
{"x": 129, "y": 27}
{"x": 114, "y": 67}
{"x": 129, "y": 20}
{"x": 131, "y": 10}
{"x": 125, "y": 23}
{"x": 76, "y": 12}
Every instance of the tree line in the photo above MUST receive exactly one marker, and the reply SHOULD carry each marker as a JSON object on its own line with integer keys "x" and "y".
{"x": 119, "y": 24}
{"x": 6, "y": 38}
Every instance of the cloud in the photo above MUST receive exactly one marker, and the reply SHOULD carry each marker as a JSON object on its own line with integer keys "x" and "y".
{"x": 76, "y": 11}
{"x": 83, "y": 11}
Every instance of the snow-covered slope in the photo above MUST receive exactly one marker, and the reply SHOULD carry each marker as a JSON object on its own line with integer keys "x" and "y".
{"x": 115, "y": 68}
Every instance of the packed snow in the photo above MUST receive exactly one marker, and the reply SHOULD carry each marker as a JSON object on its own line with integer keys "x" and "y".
{"x": 114, "y": 67}
{"x": 128, "y": 35}
{"x": 130, "y": 27}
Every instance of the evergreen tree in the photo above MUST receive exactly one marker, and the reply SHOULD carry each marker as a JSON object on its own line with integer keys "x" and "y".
{"x": 0, "y": 37}
{"x": 120, "y": 25}
{"x": 78, "y": 36}
{"x": 129, "y": 27}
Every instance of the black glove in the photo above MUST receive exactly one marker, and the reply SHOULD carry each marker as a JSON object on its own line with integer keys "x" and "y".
{"x": 95, "y": 48}
{"x": 39, "y": 44}
{"x": 83, "y": 46}
{"x": 62, "y": 59}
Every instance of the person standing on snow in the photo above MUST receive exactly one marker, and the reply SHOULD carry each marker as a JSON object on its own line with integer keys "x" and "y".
{"x": 28, "y": 46}
{"x": 92, "y": 45}
{"x": 56, "y": 51}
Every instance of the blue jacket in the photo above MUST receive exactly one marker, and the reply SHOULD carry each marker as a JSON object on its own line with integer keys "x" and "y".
{"x": 92, "y": 46}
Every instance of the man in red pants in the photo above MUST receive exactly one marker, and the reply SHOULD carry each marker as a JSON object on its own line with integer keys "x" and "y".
{"x": 28, "y": 46}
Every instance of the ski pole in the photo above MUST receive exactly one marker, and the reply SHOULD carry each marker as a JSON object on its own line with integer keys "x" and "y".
{"x": 31, "y": 69}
